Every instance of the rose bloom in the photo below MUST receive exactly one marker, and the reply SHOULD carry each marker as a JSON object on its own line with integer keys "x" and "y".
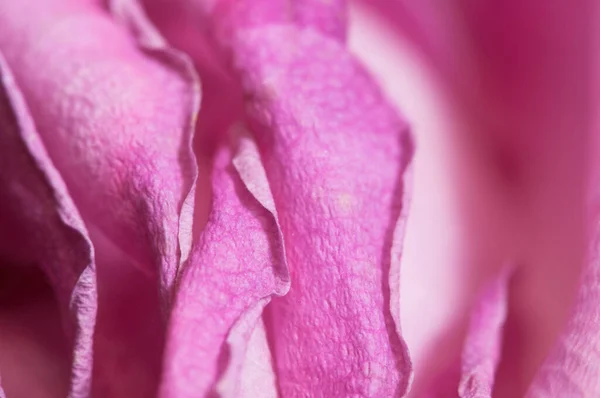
{"x": 301, "y": 198}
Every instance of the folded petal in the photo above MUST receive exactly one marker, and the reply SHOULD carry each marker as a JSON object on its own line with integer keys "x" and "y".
{"x": 337, "y": 327}
{"x": 115, "y": 115}
{"x": 317, "y": 118}
{"x": 116, "y": 119}
{"x": 334, "y": 154}
{"x": 40, "y": 225}
{"x": 130, "y": 13}
{"x": 483, "y": 345}
{"x": 232, "y": 272}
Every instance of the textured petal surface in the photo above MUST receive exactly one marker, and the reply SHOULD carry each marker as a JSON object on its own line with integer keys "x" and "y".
{"x": 148, "y": 121}
{"x": 334, "y": 156}
{"x": 318, "y": 118}
{"x": 231, "y": 274}
{"x": 116, "y": 121}
{"x": 40, "y": 226}
{"x": 483, "y": 345}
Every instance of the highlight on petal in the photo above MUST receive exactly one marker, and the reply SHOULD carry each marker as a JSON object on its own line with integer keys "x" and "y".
{"x": 232, "y": 272}
{"x": 257, "y": 374}
{"x": 41, "y": 227}
{"x": 483, "y": 345}
{"x": 116, "y": 120}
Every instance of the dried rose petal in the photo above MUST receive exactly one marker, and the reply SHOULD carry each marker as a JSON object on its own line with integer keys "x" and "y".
{"x": 232, "y": 271}
{"x": 483, "y": 345}
{"x": 334, "y": 154}
{"x": 40, "y": 225}
{"x": 317, "y": 178}
{"x": 116, "y": 121}
{"x": 322, "y": 186}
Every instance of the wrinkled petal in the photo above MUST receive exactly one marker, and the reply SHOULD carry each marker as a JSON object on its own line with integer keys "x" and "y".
{"x": 335, "y": 334}
{"x": 151, "y": 41}
{"x": 340, "y": 311}
{"x": 334, "y": 155}
{"x": 40, "y": 225}
{"x": 231, "y": 274}
{"x": 116, "y": 121}
{"x": 483, "y": 345}
{"x": 149, "y": 122}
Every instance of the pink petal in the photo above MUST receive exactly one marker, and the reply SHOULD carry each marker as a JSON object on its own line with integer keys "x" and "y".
{"x": 231, "y": 273}
{"x": 518, "y": 77}
{"x": 334, "y": 154}
{"x": 40, "y": 225}
{"x": 116, "y": 120}
{"x": 443, "y": 281}
{"x": 306, "y": 330}
{"x": 573, "y": 367}
{"x": 363, "y": 349}
{"x": 149, "y": 123}
{"x": 483, "y": 345}
{"x": 35, "y": 351}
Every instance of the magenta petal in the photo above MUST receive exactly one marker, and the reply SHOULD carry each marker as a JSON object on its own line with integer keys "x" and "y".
{"x": 328, "y": 17}
{"x": 231, "y": 274}
{"x": 152, "y": 44}
{"x": 110, "y": 114}
{"x": 483, "y": 345}
{"x": 573, "y": 367}
{"x": 334, "y": 153}
{"x": 115, "y": 115}
{"x": 519, "y": 76}
{"x": 40, "y": 225}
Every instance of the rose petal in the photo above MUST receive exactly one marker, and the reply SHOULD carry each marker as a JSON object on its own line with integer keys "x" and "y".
{"x": 231, "y": 274}
{"x": 573, "y": 367}
{"x": 150, "y": 40}
{"x": 40, "y": 225}
{"x": 445, "y": 280}
{"x": 116, "y": 121}
{"x": 334, "y": 156}
{"x": 371, "y": 344}
{"x": 483, "y": 345}
{"x": 323, "y": 220}
{"x": 258, "y": 375}
{"x": 525, "y": 126}
{"x": 82, "y": 46}
{"x": 35, "y": 351}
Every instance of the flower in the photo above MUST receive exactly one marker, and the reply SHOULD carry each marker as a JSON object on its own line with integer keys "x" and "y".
{"x": 215, "y": 198}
